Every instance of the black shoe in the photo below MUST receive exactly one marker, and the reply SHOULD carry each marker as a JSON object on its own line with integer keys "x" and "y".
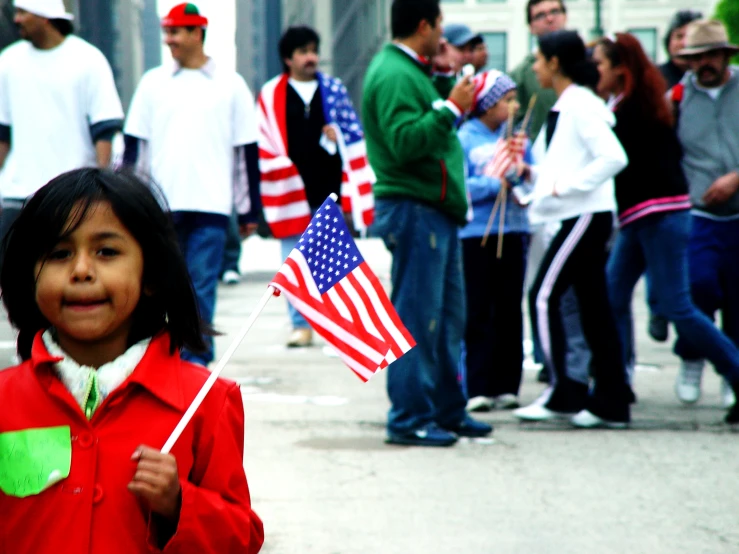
{"x": 658, "y": 327}
{"x": 732, "y": 416}
{"x": 428, "y": 435}
{"x": 631, "y": 396}
{"x": 543, "y": 376}
{"x": 471, "y": 428}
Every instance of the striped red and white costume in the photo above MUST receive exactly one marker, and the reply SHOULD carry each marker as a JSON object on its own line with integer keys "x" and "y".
{"x": 284, "y": 200}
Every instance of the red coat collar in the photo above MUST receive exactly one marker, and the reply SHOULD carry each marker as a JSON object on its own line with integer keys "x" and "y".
{"x": 158, "y": 372}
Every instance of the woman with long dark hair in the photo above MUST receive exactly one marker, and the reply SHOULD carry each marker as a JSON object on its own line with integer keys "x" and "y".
{"x": 576, "y": 156}
{"x": 653, "y": 207}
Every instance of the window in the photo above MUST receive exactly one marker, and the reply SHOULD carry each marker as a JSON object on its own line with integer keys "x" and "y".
{"x": 648, "y": 39}
{"x": 497, "y": 44}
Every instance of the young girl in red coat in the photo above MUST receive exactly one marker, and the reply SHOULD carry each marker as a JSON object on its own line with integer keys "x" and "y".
{"x": 95, "y": 283}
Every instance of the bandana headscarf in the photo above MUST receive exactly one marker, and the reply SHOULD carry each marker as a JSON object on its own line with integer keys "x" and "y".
{"x": 490, "y": 87}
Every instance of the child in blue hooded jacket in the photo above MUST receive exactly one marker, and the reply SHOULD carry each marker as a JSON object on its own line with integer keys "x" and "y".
{"x": 494, "y": 287}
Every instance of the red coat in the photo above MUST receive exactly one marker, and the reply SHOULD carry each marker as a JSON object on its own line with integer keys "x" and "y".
{"x": 92, "y": 511}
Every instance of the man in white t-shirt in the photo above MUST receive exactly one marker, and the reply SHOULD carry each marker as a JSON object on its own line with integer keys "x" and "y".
{"x": 192, "y": 127}
{"x": 59, "y": 108}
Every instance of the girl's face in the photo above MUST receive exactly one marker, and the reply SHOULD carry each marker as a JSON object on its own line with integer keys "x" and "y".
{"x": 544, "y": 70}
{"x": 498, "y": 114}
{"x": 610, "y": 77}
{"x": 90, "y": 284}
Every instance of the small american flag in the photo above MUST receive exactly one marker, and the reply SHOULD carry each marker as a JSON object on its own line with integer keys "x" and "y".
{"x": 327, "y": 280}
{"x": 508, "y": 154}
{"x": 357, "y": 176}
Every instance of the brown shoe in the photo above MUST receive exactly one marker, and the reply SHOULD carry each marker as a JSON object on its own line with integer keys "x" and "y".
{"x": 300, "y": 338}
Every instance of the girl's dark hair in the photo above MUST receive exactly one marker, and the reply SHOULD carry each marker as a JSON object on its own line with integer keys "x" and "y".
{"x": 169, "y": 303}
{"x": 296, "y": 37}
{"x": 644, "y": 86}
{"x": 570, "y": 50}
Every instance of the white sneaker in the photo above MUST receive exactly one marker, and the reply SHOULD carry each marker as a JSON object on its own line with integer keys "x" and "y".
{"x": 480, "y": 404}
{"x": 588, "y": 420}
{"x": 506, "y": 402}
{"x": 538, "y": 412}
{"x": 728, "y": 399}
{"x": 231, "y": 277}
{"x": 688, "y": 383}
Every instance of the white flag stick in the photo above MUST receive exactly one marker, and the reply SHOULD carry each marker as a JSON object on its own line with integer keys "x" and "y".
{"x": 216, "y": 372}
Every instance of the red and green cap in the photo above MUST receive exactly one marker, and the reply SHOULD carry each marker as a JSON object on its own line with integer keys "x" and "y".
{"x": 185, "y": 15}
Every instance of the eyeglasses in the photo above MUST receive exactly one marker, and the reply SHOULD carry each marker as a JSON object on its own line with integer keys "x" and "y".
{"x": 551, "y": 13}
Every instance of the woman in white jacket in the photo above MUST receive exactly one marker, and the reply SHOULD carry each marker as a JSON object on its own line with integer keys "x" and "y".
{"x": 576, "y": 156}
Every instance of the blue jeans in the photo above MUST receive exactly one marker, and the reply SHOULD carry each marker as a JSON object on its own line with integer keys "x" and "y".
{"x": 659, "y": 246}
{"x": 428, "y": 294}
{"x": 296, "y": 318}
{"x": 713, "y": 254}
{"x": 202, "y": 246}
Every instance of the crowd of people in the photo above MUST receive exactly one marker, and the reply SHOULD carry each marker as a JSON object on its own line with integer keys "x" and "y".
{"x": 562, "y": 183}
{"x": 617, "y": 169}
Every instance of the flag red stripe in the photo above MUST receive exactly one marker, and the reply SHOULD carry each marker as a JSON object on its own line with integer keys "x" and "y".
{"x": 284, "y": 199}
{"x": 290, "y": 227}
{"x": 386, "y": 304}
{"x": 358, "y": 163}
{"x": 376, "y": 321}
{"x": 330, "y": 311}
{"x": 280, "y": 174}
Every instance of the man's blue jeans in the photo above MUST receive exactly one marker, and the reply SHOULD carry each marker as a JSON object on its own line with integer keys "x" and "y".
{"x": 202, "y": 246}
{"x": 713, "y": 254}
{"x": 296, "y": 318}
{"x": 659, "y": 245}
{"x": 428, "y": 294}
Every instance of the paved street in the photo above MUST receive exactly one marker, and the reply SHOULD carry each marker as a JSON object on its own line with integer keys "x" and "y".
{"x": 325, "y": 483}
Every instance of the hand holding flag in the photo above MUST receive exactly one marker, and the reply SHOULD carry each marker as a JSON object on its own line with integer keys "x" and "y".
{"x": 328, "y": 281}
{"x": 508, "y": 159}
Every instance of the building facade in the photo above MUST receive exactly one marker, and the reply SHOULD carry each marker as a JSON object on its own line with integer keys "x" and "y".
{"x": 503, "y": 23}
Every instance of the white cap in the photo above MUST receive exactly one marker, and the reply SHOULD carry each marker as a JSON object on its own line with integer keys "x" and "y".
{"x": 50, "y": 9}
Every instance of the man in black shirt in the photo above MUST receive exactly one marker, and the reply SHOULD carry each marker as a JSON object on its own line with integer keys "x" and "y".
{"x": 312, "y": 147}
{"x": 674, "y": 69}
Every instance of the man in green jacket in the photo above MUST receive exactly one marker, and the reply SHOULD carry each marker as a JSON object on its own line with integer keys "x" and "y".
{"x": 543, "y": 16}
{"x": 421, "y": 201}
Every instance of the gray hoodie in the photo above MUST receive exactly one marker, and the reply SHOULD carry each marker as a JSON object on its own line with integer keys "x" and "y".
{"x": 708, "y": 130}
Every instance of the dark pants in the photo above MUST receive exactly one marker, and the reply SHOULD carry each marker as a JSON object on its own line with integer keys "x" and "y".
{"x": 202, "y": 246}
{"x": 494, "y": 330}
{"x": 713, "y": 260}
{"x": 232, "y": 251}
{"x": 428, "y": 294}
{"x": 577, "y": 258}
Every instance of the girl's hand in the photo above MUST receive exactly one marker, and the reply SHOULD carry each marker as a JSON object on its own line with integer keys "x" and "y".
{"x": 156, "y": 482}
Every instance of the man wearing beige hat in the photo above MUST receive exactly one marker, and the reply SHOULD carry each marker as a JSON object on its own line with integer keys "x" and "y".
{"x": 59, "y": 108}
{"x": 707, "y": 108}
